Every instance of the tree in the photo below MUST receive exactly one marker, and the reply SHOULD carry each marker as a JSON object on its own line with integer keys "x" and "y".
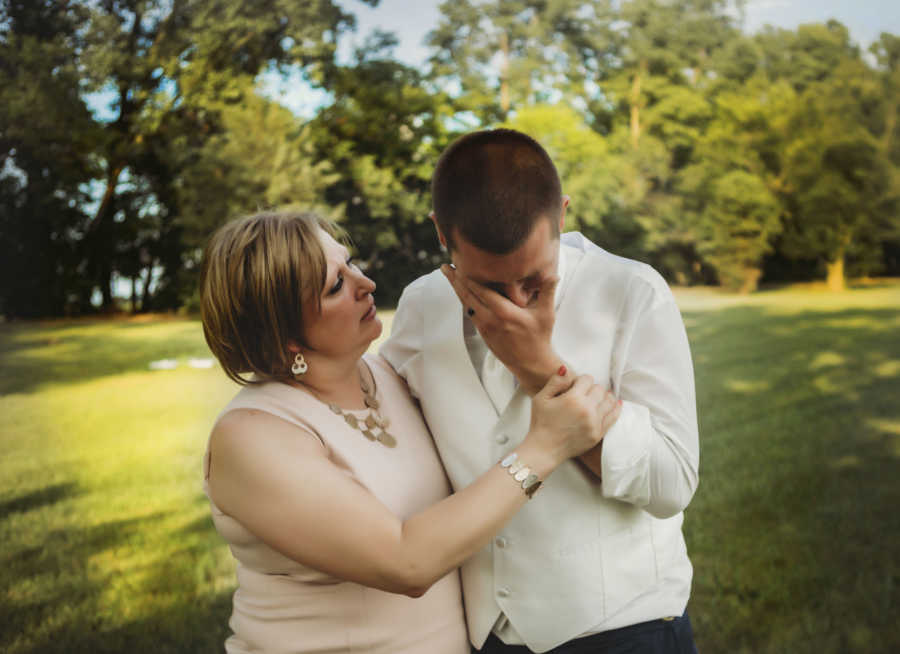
{"x": 838, "y": 179}
{"x": 666, "y": 46}
{"x": 591, "y": 174}
{"x": 887, "y": 53}
{"x": 503, "y": 55}
{"x": 737, "y": 223}
{"x": 46, "y": 137}
{"x": 732, "y": 183}
{"x": 383, "y": 134}
{"x": 262, "y": 157}
{"x": 658, "y": 98}
{"x": 173, "y": 67}
{"x": 807, "y": 56}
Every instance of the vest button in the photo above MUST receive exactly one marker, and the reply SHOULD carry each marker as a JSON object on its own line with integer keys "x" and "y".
{"x": 503, "y": 439}
{"x": 500, "y": 542}
{"x": 503, "y": 592}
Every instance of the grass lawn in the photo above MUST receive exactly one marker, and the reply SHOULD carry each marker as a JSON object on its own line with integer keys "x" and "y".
{"x": 106, "y": 543}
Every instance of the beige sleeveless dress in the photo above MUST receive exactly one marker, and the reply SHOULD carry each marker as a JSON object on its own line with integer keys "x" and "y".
{"x": 281, "y": 606}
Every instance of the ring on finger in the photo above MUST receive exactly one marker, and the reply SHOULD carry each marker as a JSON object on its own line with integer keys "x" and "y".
{"x": 470, "y": 312}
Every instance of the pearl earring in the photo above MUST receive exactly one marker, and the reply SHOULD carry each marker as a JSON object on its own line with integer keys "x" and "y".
{"x": 300, "y": 366}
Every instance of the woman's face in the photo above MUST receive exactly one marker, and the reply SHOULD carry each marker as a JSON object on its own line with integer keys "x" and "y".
{"x": 347, "y": 323}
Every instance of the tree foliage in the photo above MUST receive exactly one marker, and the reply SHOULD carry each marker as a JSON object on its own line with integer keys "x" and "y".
{"x": 382, "y": 133}
{"x": 715, "y": 155}
{"x": 591, "y": 173}
{"x": 46, "y": 140}
{"x": 171, "y": 68}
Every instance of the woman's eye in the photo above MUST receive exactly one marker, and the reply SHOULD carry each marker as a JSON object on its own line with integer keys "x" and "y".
{"x": 339, "y": 283}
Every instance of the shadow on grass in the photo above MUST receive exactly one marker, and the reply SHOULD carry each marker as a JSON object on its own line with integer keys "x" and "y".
{"x": 63, "y": 554}
{"x": 794, "y": 531}
{"x": 74, "y": 615}
{"x": 32, "y": 355}
{"x": 195, "y": 625}
{"x": 37, "y": 499}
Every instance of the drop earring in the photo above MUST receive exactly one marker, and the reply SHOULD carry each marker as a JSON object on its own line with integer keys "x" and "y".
{"x": 300, "y": 366}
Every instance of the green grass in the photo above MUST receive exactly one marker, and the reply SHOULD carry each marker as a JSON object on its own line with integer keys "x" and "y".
{"x": 106, "y": 543}
{"x": 795, "y": 532}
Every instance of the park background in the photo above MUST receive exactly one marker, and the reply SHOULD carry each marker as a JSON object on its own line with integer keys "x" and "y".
{"x": 756, "y": 167}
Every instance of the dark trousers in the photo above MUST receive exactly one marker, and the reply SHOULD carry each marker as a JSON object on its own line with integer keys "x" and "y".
{"x": 667, "y": 636}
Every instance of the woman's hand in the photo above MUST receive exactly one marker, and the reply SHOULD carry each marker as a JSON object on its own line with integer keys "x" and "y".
{"x": 571, "y": 415}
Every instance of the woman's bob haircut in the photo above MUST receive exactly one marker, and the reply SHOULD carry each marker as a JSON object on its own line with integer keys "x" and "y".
{"x": 261, "y": 278}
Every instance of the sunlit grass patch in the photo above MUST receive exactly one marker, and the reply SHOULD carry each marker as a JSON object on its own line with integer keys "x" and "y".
{"x": 106, "y": 539}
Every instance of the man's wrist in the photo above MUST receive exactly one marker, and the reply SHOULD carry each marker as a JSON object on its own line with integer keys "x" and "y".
{"x": 593, "y": 460}
{"x": 533, "y": 377}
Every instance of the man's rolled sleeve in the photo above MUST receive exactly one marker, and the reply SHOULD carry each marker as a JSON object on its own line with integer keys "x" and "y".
{"x": 626, "y": 456}
{"x": 651, "y": 454}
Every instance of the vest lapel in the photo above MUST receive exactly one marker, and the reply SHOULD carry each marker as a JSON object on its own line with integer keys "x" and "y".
{"x": 459, "y": 410}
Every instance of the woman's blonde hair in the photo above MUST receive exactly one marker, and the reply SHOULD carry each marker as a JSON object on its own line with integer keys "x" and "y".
{"x": 260, "y": 275}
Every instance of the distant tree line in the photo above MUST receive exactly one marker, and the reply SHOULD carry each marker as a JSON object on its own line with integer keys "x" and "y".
{"x": 716, "y": 156}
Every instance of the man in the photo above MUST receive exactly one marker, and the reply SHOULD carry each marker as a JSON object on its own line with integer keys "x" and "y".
{"x": 596, "y": 561}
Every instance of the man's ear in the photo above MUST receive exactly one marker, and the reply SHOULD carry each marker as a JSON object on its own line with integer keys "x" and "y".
{"x": 562, "y": 215}
{"x": 437, "y": 228}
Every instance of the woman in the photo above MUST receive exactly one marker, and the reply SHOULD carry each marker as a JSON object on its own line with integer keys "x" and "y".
{"x": 321, "y": 473}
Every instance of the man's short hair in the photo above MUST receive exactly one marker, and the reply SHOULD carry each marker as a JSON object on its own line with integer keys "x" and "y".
{"x": 493, "y": 186}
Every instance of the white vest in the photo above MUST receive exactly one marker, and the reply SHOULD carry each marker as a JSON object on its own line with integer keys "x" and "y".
{"x": 570, "y": 560}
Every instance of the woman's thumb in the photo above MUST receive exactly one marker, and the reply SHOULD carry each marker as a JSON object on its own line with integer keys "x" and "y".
{"x": 559, "y": 382}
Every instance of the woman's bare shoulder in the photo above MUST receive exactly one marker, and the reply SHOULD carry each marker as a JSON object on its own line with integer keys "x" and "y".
{"x": 246, "y": 428}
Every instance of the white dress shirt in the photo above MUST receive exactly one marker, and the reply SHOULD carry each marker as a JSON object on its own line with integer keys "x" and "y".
{"x": 583, "y": 556}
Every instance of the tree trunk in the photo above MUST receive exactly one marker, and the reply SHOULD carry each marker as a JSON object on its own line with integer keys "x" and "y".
{"x": 100, "y": 250}
{"x": 890, "y": 123}
{"x": 696, "y": 70}
{"x": 104, "y": 210}
{"x": 635, "y": 102}
{"x": 106, "y": 286}
{"x": 835, "y": 279}
{"x": 504, "y": 74}
{"x": 134, "y": 304}
{"x": 750, "y": 280}
{"x": 145, "y": 300}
